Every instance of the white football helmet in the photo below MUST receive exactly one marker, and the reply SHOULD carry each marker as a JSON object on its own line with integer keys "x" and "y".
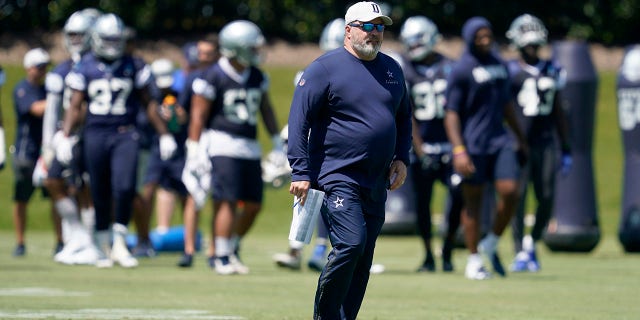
{"x": 92, "y": 13}
{"x": 242, "y": 40}
{"x": 332, "y": 35}
{"x": 630, "y": 68}
{"x": 108, "y": 37}
{"x": 527, "y": 30}
{"x": 419, "y": 35}
{"x": 77, "y": 33}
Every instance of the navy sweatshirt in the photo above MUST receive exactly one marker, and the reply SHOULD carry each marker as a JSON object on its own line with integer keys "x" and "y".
{"x": 349, "y": 119}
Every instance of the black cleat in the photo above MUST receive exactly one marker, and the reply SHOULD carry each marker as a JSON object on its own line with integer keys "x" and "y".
{"x": 185, "y": 261}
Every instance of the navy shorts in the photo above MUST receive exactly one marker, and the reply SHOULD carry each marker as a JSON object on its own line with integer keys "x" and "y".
{"x": 502, "y": 165}
{"x": 236, "y": 179}
{"x": 166, "y": 173}
{"x": 73, "y": 173}
{"x": 23, "y": 187}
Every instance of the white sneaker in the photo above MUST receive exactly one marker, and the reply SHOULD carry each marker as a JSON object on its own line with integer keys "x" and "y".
{"x": 521, "y": 262}
{"x": 78, "y": 240}
{"x": 240, "y": 267}
{"x": 223, "y": 266}
{"x": 475, "y": 270}
{"x": 287, "y": 260}
{"x": 89, "y": 256}
{"x": 121, "y": 255}
{"x": 103, "y": 260}
{"x": 376, "y": 268}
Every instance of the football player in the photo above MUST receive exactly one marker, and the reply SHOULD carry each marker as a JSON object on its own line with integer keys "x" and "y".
{"x": 65, "y": 184}
{"x": 163, "y": 170}
{"x": 228, "y": 100}
{"x": 478, "y": 102}
{"x": 426, "y": 72}
{"x": 110, "y": 81}
{"x": 207, "y": 54}
{"x": 535, "y": 84}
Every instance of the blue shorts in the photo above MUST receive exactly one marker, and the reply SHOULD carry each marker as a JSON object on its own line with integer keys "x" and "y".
{"x": 502, "y": 165}
{"x": 236, "y": 179}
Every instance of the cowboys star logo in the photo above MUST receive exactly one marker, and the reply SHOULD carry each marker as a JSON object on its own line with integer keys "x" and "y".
{"x": 338, "y": 202}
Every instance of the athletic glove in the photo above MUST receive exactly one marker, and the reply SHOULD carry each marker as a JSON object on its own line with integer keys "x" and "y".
{"x": 40, "y": 172}
{"x": 64, "y": 147}
{"x": 168, "y": 146}
{"x": 196, "y": 174}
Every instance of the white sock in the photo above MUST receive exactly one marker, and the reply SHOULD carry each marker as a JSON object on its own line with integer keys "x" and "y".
{"x": 321, "y": 241}
{"x": 492, "y": 240}
{"x": 527, "y": 243}
{"x": 103, "y": 241}
{"x": 296, "y": 245}
{"x": 119, "y": 235}
{"x": 474, "y": 258}
{"x": 223, "y": 246}
{"x": 67, "y": 209}
{"x": 88, "y": 217}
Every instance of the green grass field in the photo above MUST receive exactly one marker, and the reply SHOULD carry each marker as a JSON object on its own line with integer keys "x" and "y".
{"x": 602, "y": 284}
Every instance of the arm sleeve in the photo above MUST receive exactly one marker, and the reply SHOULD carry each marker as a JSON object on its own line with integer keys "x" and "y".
{"x": 54, "y": 84}
{"x": 309, "y": 97}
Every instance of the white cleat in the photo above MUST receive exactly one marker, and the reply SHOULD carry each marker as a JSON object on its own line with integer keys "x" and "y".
{"x": 103, "y": 260}
{"x": 223, "y": 266}
{"x": 287, "y": 260}
{"x": 475, "y": 270}
{"x": 237, "y": 264}
{"x": 122, "y": 256}
{"x": 377, "y": 268}
{"x": 89, "y": 256}
{"x": 78, "y": 240}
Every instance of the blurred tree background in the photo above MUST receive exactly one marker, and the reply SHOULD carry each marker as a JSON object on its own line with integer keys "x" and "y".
{"x": 609, "y": 22}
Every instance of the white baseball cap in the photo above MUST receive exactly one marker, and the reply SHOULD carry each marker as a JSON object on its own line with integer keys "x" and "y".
{"x": 36, "y": 57}
{"x": 162, "y": 70}
{"x": 366, "y": 11}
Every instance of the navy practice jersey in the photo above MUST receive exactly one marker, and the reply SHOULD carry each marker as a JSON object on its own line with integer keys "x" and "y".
{"x": 427, "y": 86}
{"x": 359, "y": 117}
{"x": 478, "y": 91}
{"x": 235, "y": 98}
{"x": 535, "y": 89}
{"x": 628, "y": 92}
{"x": 184, "y": 96}
{"x": 110, "y": 89}
{"x": 29, "y": 128}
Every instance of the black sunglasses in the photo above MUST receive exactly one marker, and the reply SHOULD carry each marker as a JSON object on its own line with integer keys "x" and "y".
{"x": 368, "y": 26}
